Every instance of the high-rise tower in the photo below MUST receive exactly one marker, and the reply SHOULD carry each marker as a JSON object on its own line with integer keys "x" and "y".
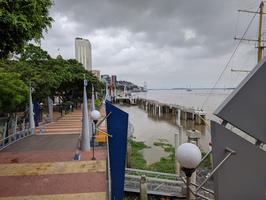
{"x": 83, "y": 52}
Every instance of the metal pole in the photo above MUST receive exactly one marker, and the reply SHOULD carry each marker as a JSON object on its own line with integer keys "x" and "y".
{"x": 93, "y": 139}
{"x": 260, "y": 46}
{"x": 181, "y": 132}
{"x": 14, "y": 128}
{"x": 178, "y": 121}
{"x": 92, "y": 99}
{"x": 187, "y": 191}
{"x": 86, "y": 129}
{"x": 216, "y": 168}
{"x": 31, "y": 113}
{"x": 176, "y": 146}
{"x": 107, "y": 97}
{"x": 129, "y": 153}
{"x": 50, "y": 109}
{"x": 143, "y": 188}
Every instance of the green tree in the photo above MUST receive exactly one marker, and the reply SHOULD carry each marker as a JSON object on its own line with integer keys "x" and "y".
{"x": 22, "y": 21}
{"x": 51, "y": 77}
{"x": 13, "y": 90}
{"x": 34, "y": 53}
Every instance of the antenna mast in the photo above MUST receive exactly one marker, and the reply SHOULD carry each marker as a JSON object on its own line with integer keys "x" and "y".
{"x": 259, "y": 40}
{"x": 260, "y": 47}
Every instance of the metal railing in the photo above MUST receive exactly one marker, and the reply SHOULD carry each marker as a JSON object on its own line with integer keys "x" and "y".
{"x": 164, "y": 184}
{"x": 161, "y": 175}
{"x": 18, "y": 135}
{"x": 155, "y": 186}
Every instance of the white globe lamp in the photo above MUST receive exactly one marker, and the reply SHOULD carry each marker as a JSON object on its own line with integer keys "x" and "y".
{"x": 95, "y": 114}
{"x": 188, "y": 155}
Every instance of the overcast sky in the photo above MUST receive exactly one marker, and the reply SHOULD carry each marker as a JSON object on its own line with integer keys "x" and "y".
{"x": 167, "y": 43}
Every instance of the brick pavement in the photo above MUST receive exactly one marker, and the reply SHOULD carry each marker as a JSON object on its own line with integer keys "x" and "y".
{"x": 42, "y": 166}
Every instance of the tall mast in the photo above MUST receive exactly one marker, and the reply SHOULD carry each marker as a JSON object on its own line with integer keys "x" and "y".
{"x": 259, "y": 40}
{"x": 260, "y": 46}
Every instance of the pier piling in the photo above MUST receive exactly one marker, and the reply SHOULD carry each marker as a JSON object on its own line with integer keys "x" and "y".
{"x": 143, "y": 188}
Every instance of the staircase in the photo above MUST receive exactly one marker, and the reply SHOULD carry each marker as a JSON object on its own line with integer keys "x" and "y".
{"x": 69, "y": 124}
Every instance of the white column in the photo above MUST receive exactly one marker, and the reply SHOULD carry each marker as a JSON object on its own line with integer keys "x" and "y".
{"x": 31, "y": 113}
{"x": 178, "y": 117}
{"x": 176, "y": 146}
{"x": 86, "y": 128}
{"x": 50, "y": 110}
{"x": 92, "y": 99}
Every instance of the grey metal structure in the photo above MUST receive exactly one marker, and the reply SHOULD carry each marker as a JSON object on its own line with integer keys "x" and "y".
{"x": 242, "y": 169}
{"x": 245, "y": 108}
{"x": 243, "y": 175}
{"x": 86, "y": 125}
{"x": 31, "y": 113}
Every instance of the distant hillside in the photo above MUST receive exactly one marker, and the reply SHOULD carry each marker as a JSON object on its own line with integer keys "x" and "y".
{"x": 129, "y": 86}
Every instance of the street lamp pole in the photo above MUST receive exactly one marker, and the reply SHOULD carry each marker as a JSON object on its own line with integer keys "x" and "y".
{"x": 95, "y": 114}
{"x": 93, "y": 139}
{"x": 189, "y": 156}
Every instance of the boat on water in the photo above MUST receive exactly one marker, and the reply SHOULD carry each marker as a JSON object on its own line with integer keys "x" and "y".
{"x": 189, "y": 89}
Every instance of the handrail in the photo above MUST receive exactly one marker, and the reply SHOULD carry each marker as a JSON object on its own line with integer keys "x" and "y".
{"x": 132, "y": 170}
{"x": 13, "y": 138}
{"x": 178, "y": 182}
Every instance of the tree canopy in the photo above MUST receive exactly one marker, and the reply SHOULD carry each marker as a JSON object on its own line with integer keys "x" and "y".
{"x": 48, "y": 76}
{"x": 13, "y": 91}
{"x": 22, "y": 21}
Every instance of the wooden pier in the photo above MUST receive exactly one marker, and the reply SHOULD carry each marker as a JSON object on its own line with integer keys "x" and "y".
{"x": 157, "y": 108}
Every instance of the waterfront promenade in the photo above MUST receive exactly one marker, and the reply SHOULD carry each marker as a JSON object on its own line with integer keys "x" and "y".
{"x": 42, "y": 166}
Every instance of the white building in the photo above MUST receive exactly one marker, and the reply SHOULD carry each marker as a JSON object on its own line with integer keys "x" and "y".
{"x": 83, "y": 52}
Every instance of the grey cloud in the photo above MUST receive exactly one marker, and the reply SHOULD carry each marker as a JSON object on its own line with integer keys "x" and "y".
{"x": 162, "y": 21}
{"x": 134, "y": 37}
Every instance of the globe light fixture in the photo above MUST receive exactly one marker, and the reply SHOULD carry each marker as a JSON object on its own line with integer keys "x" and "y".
{"x": 189, "y": 157}
{"x": 95, "y": 115}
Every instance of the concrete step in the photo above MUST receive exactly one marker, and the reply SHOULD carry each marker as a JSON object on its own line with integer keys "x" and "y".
{"x": 62, "y": 130}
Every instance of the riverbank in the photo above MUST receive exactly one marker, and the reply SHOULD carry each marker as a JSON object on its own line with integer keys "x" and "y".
{"x": 165, "y": 164}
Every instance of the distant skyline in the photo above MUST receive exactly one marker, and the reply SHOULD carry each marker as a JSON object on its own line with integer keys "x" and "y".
{"x": 168, "y": 44}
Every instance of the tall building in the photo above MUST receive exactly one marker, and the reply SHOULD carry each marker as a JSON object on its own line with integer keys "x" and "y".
{"x": 97, "y": 73}
{"x": 83, "y": 52}
{"x": 113, "y": 79}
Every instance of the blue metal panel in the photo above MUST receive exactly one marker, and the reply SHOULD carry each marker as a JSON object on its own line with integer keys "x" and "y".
{"x": 117, "y": 125}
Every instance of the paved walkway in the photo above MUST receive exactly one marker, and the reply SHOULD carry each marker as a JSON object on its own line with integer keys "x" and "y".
{"x": 69, "y": 124}
{"x": 42, "y": 166}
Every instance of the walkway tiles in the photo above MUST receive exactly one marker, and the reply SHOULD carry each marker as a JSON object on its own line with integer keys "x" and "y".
{"x": 77, "y": 196}
{"x": 52, "y": 168}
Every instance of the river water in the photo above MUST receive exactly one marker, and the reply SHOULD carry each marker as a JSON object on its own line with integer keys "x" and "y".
{"x": 150, "y": 129}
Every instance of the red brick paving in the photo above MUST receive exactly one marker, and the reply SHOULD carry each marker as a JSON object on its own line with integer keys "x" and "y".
{"x": 47, "y": 156}
{"x": 52, "y": 147}
{"x": 52, "y": 184}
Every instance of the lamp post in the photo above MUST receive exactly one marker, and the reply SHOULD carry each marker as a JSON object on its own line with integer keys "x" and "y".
{"x": 189, "y": 156}
{"x": 95, "y": 115}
